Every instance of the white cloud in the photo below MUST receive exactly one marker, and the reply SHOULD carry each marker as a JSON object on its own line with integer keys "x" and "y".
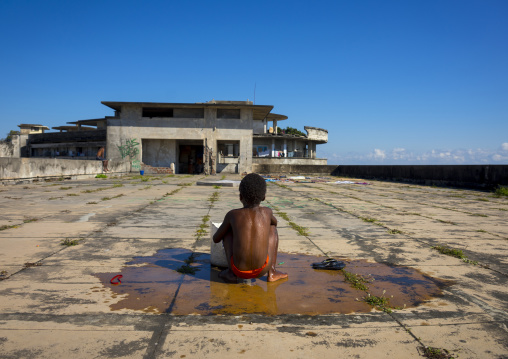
{"x": 380, "y": 154}
{"x": 401, "y": 156}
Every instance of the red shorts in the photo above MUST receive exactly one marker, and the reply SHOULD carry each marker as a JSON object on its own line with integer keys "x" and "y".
{"x": 248, "y": 274}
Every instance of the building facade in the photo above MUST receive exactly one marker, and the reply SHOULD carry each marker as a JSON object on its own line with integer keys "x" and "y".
{"x": 210, "y": 137}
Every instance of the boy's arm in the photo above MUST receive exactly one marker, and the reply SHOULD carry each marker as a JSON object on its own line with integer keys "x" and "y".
{"x": 223, "y": 229}
{"x": 273, "y": 220}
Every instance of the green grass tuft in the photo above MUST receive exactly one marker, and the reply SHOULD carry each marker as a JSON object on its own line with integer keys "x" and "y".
{"x": 380, "y": 302}
{"x": 395, "y": 231}
{"x": 356, "y": 280}
{"x": 501, "y": 191}
{"x": 70, "y": 242}
{"x": 436, "y": 353}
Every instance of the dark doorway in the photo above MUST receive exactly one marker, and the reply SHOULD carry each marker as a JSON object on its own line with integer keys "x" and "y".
{"x": 190, "y": 157}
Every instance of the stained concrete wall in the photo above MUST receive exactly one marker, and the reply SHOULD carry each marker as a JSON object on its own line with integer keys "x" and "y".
{"x": 258, "y": 127}
{"x": 159, "y": 153}
{"x": 323, "y": 170}
{"x": 278, "y": 161}
{"x": 317, "y": 134}
{"x": 6, "y": 149}
{"x": 131, "y": 125}
{"x": 16, "y": 148}
{"x": 486, "y": 176}
{"x": 30, "y": 168}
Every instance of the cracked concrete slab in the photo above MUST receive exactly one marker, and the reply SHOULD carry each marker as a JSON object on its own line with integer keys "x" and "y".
{"x": 119, "y": 220}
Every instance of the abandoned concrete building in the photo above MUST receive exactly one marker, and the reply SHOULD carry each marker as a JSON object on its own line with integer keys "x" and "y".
{"x": 209, "y": 137}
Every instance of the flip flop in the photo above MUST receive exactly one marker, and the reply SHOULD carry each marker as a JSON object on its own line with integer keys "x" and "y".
{"x": 329, "y": 263}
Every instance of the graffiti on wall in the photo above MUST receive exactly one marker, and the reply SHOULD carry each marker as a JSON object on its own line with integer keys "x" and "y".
{"x": 130, "y": 149}
{"x": 136, "y": 164}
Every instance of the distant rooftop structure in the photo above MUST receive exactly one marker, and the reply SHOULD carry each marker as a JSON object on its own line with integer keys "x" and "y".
{"x": 28, "y": 129}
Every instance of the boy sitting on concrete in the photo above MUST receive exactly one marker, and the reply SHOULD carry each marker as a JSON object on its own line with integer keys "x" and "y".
{"x": 249, "y": 235}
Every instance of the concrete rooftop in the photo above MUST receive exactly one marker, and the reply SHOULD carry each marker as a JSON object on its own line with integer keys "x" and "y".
{"x": 53, "y": 303}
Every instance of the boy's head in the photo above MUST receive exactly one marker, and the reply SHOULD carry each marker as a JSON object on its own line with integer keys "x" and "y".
{"x": 253, "y": 189}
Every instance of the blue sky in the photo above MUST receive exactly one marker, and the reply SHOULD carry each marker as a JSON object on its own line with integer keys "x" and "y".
{"x": 394, "y": 82}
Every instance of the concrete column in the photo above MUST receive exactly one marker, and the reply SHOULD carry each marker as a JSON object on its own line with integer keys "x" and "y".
{"x": 294, "y": 148}
{"x": 211, "y": 135}
{"x": 264, "y": 125}
{"x": 273, "y": 147}
{"x": 245, "y": 159}
{"x": 285, "y": 148}
{"x": 275, "y": 126}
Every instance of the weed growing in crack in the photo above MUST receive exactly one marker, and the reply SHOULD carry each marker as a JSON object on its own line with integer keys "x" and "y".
{"x": 4, "y": 227}
{"x": 100, "y": 175}
{"x": 96, "y": 190}
{"x": 202, "y": 230}
{"x": 457, "y": 253}
{"x": 302, "y": 231}
{"x": 435, "y": 353}
{"x": 214, "y": 197}
{"x": 395, "y": 231}
{"x": 28, "y": 220}
{"x": 172, "y": 192}
{"x": 184, "y": 184}
{"x": 356, "y": 280}
{"x": 72, "y": 194}
{"x": 70, "y": 242}
{"x": 447, "y": 222}
{"x": 187, "y": 268}
{"x": 65, "y": 188}
{"x": 91, "y": 202}
{"x": 379, "y": 302}
{"x": 369, "y": 220}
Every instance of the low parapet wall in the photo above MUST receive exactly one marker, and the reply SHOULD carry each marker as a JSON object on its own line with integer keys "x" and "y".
{"x": 293, "y": 169}
{"x": 473, "y": 176}
{"x": 12, "y": 169}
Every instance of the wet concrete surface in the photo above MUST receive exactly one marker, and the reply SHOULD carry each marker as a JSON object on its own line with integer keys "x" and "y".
{"x": 153, "y": 284}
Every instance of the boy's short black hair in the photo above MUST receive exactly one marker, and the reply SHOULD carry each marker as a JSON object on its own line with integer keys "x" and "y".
{"x": 253, "y": 188}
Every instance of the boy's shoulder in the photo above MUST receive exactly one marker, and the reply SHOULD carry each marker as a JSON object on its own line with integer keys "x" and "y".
{"x": 238, "y": 211}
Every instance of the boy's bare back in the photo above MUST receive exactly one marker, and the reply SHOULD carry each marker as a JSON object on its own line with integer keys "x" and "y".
{"x": 249, "y": 235}
{"x": 251, "y": 231}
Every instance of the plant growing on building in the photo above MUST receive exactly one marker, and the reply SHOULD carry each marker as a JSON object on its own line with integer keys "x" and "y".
{"x": 292, "y": 131}
{"x": 8, "y": 138}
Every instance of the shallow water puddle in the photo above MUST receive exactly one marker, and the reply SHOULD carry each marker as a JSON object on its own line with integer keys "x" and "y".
{"x": 152, "y": 284}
